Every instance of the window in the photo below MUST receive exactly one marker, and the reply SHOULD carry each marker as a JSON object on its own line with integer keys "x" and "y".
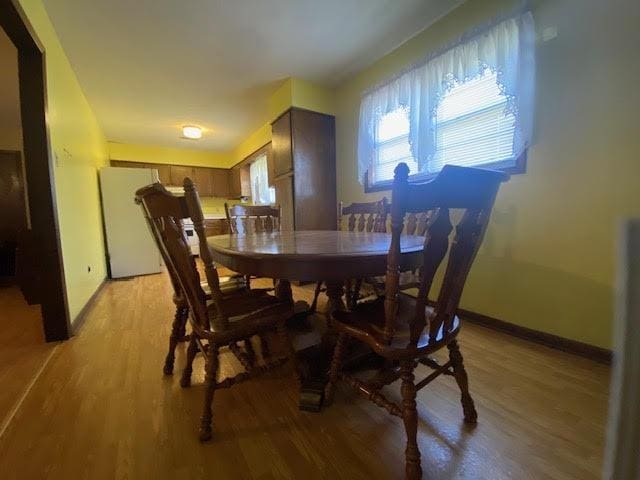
{"x": 261, "y": 193}
{"x": 473, "y": 129}
{"x": 469, "y": 104}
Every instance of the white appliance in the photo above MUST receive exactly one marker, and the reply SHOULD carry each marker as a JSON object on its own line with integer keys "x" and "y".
{"x": 192, "y": 236}
{"x": 187, "y": 223}
{"x": 131, "y": 248}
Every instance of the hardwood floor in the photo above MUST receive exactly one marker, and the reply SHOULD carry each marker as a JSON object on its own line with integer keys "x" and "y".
{"x": 22, "y": 349}
{"x": 103, "y": 409}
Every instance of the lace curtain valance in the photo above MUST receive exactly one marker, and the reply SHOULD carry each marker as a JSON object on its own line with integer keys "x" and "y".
{"x": 506, "y": 47}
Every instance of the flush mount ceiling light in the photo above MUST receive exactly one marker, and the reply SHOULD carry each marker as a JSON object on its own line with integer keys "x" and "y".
{"x": 192, "y": 132}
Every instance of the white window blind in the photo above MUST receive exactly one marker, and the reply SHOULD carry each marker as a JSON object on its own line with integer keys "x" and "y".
{"x": 473, "y": 128}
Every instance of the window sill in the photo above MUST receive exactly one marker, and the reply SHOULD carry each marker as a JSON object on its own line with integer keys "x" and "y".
{"x": 519, "y": 168}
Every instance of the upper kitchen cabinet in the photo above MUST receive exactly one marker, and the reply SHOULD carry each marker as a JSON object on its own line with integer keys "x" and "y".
{"x": 203, "y": 179}
{"x": 239, "y": 182}
{"x": 220, "y": 182}
{"x": 281, "y": 145}
{"x": 304, "y": 150}
{"x": 179, "y": 172}
{"x": 164, "y": 170}
{"x": 164, "y": 173}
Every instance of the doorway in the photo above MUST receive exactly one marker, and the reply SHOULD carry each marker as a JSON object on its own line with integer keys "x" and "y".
{"x": 31, "y": 254}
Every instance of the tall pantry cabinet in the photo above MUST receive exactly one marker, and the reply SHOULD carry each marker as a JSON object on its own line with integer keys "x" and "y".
{"x": 303, "y": 156}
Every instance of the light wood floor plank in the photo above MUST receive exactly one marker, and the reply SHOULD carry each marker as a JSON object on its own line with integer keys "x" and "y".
{"x": 22, "y": 348}
{"x": 103, "y": 409}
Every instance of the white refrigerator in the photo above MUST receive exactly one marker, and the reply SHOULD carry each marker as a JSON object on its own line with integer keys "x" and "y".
{"x": 131, "y": 249}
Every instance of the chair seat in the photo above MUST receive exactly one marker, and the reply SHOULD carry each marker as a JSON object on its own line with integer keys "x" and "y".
{"x": 227, "y": 284}
{"x": 248, "y": 310}
{"x": 366, "y": 323}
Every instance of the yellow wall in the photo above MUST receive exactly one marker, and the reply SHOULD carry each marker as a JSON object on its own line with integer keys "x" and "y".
{"x": 293, "y": 92}
{"x": 177, "y": 156}
{"x": 312, "y": 97}
{"x": 80, "y": 147}
{"x": 548, "y": 259}
{"x": 253, "y": 142}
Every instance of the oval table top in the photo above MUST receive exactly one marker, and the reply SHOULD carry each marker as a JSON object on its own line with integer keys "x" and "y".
{"x": 313, "y": 255}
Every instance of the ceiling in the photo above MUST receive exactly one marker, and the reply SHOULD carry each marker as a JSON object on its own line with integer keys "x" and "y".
{"x": 149, "y": 66}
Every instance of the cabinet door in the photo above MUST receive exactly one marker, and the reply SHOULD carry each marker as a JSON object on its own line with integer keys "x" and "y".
{"x": 204, "y": 181}
{"x": 245, "y": 181}
{"x": 164, "y": 173}
{"x": 220, "y": 182}
{"x": 281, "y": 145}
{"x": 234, "y": 183}
{"x": 178, "y": 174}
{"x": 271, "y": 173}
{"x": 314, "y": 150}
{"x": 284, "y": 197}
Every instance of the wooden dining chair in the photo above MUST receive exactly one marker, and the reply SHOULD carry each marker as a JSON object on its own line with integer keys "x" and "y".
{"x": 252, "y": 219}
{"x": 357, "y": 217}
{"x": 415, "y": 223}
{"x": 229, "y": 317}
{"x": 404, "y": 329}
{"x": 248, "y": 219}
{"x": 178, "y": 326}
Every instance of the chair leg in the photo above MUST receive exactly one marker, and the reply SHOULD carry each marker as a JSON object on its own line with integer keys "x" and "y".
{"x": 469, "y": 409}
{"x": 354, "y": 294}
{"x": 290, "y": 352}
{"x": 264, "y": 346}
{"x": 410, "y": 418}
{"x": 211, "y": 376}
{"x": 316, "y": 294}
{"x": 177, "y": 332}
{"x": 192, "y": 349}
{"x": 336, "y": 363}
{"x": 251, "y": 353}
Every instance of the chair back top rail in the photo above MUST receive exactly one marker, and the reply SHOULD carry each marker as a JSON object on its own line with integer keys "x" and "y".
{"x": 253, "y": 218}
{"x": 471, "y": 190}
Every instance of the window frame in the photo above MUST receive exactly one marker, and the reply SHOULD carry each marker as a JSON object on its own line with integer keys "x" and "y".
{"x": 506, "y": 166}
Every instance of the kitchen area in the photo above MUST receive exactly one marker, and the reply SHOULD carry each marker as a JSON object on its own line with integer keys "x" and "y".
{"x": 295, "y": 170}
{"x": 130, "y": 248}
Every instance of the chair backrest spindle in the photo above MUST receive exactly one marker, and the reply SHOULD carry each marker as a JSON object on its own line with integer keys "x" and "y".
{"x": 250, "y": 219}
{"x": 364, "y": 217}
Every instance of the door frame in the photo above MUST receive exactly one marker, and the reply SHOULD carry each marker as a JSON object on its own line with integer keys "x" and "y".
{"x": 39, "y": 170}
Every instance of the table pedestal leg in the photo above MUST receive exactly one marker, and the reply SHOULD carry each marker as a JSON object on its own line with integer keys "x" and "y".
{"x": 318, "y": 357}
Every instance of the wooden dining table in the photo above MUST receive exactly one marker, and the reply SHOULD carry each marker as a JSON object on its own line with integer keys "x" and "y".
{"x": 329, "y": 256}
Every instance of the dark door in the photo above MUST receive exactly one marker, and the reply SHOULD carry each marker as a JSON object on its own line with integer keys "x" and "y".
{"x": 12, "y": 214}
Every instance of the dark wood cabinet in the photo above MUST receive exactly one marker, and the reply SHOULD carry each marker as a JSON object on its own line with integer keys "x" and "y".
{"x": 281, "y": 145}
{"x": 234, "y": 182}
{"x": 220, "y": 182}
{"x": 271, "y": 172}
{"x": 204, "y": 181}
{"x": 179, "y": 172}
{"x": 239, "y": 182}
{"x": 164, "y": 173}
{"x": 211, "y": 182}
{"x": 284, "y": 198}
{"x": 305, "y": 168}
